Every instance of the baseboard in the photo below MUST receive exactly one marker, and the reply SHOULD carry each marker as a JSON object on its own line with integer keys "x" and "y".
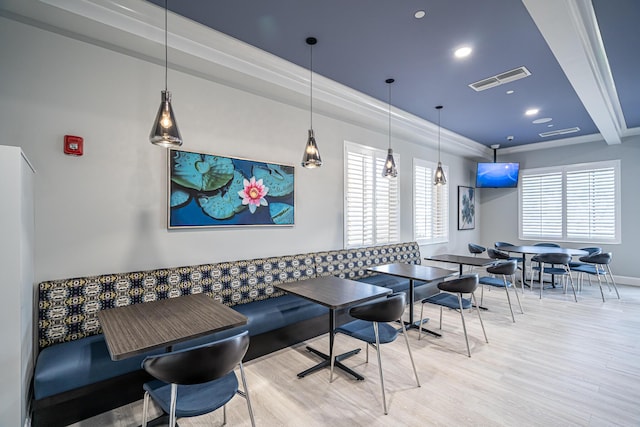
{"x": 626, "y": 280}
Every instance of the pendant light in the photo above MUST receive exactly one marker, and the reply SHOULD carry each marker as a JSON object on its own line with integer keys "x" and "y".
{"x": 389, "y": 170}
{"x": 439, "y": 178}
{"x": 165, "y": 131}
{"x": 311, "y": 157}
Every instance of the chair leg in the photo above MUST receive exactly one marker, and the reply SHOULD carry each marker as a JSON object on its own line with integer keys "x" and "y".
{"x": 506, "y": 289}
{"x": 145, "y": 409}
{"x": 224, "y": 415}
{"x": 473, "y": 296}
{"x": 172, "y": 409}
{"x": 464, "y": 326}
{"x": 246, "y": 395}
{"x": 613, "y": 282}
{"x": 406, "y": 339}
{"x": 384, "y": 399}
{"x": 568, "y": 270}
{"x": 441, "y": 318}
{"x": 420, "y": 324}
{"x": 332, "y": 361}
{"x": 541, "y": 281}
{"x": 515, "y": 291}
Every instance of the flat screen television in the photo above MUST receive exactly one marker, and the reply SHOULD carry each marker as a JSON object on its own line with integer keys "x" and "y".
{"x": 497, "y": 175}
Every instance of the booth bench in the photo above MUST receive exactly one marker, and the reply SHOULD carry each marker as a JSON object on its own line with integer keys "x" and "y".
{"x": 75, "y": 377}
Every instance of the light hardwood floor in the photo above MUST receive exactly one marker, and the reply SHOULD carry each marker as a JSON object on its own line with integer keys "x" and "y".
{"x": 561, "y": 364}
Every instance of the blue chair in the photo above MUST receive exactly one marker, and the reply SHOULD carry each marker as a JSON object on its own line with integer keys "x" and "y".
{"x": 597, "y": 265}
{"x": 595, "y": 250}
{"x": 554, "y": 260}
{"x": 197, "y": 380}
{"x": 535, "y": 257}
{"x": 452, "y": 297}
{"x": 476, "y": 249}
{"x": 371, "y": 327}
{"x": 504, "y": 269}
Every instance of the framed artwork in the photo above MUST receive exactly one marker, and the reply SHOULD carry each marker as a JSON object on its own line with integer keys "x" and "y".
{"x": 466, "y": 208}
{"x": 206, "y": 190}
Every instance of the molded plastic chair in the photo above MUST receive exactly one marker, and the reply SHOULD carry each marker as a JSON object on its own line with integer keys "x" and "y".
{"x": 597, "y": 265}
{"x": 535, "y": 257}
{"x": 505, "y": 268}
{"x": 564, "y": 271}
{"x": 476, "y": 249}
{"x": 595, "y": 250}
{"x": 499, "y": 245}
{"x": 371, "y": 327}
{"x": 197, "y": 380}
{"x": 452, "y": 297}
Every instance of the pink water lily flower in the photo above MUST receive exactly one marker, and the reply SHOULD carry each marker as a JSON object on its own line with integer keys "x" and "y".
{"x": 253, "y": 194}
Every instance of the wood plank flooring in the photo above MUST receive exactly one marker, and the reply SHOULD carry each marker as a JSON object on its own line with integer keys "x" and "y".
{"x": 561, "y": 364}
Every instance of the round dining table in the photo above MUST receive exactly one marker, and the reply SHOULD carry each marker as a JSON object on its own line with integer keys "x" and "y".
{"x": 537, "y": 250}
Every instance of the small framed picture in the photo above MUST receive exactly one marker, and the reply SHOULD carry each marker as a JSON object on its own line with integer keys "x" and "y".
{"x": 466, "y": 208}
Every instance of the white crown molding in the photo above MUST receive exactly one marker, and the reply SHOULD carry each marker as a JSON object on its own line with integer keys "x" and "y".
{"x": 571, "y": 30}
{"x": 136, "y": 28}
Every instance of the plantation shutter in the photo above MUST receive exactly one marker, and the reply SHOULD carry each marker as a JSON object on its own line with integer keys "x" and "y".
{"x": 591, "y": 203}
{"x": 430, "y": 204}
{"x": 541, "y": 205}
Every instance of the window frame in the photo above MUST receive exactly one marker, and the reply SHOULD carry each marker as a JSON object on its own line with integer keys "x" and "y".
{"x": 378, "y": 157}
{"x": 446, "y": 209}
{"x": 564, "y": 170}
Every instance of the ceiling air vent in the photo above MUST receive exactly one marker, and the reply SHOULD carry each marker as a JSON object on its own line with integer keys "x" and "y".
{"x": 499, "y": 79}
{"x": 559, "y": 132}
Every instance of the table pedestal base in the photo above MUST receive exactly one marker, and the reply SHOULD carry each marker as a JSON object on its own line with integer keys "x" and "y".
{"x": 327, "y": 363}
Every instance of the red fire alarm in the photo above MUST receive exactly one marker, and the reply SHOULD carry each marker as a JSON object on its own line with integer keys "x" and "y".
{"x": 73, "y": 145}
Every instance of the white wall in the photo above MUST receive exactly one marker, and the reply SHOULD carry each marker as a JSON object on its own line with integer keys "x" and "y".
{"x": 105, "y": 212}
{"x": 500, "y": 206}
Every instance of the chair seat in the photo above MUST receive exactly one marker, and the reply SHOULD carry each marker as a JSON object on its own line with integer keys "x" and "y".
{"x": 197, "y": 399}
{"x": 589, "y": 269}
{"x": 552, "y": 270}
{"x": 363, "y": 330}
{"x": 494, "y": 281}
{"x": 447, "y": 300}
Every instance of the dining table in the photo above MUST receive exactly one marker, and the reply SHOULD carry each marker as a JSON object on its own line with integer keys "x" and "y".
{"x": 413, "y": 272}
{"x": 537, "y": 250}
{"x": 334, "y": 293}
{"x": 138, "y": 328}
{"x": 461, "y": 260}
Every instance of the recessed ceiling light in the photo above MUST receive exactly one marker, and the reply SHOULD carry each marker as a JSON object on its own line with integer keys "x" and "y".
{"x": 509, "y": 92}
{"x": 542, "y": 120}
{"x": 419, "y": 14}
{"x": 531, "y": 111}
{"x": 549, "y": 126}
{"x": 462, "y": 52}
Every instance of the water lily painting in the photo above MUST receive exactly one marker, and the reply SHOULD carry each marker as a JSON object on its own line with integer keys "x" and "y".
{"x": 466, "y": 208}
{"x": 206, "y": 190}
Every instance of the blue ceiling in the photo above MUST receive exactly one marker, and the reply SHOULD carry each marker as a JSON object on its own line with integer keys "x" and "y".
{"x": 361, "y": 43}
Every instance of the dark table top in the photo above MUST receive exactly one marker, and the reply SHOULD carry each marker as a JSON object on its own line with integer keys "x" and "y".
{"x": 334, "y": 292}
{"x": 462, "y": 259}
{"x": 137, "y": 328}
{"x": 542, "y": 250}
{"x": 412, "y": 271}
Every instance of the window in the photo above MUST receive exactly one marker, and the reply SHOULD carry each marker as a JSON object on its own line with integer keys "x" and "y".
{"x": 372, "y": 202}
{"x": 430, "y": 204}
{"x": 577, "y": 203}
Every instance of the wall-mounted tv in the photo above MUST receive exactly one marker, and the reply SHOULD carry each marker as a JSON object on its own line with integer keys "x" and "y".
{"x": 497, "y": 175}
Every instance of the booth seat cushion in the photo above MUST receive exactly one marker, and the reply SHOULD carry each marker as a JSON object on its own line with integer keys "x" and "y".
{"x": 274, "y": 313}
{"x": 78, "y": 363}
{"x": 397, "y": 284}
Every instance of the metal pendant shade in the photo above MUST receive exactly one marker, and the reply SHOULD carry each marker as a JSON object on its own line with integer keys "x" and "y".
{"x": 438, "y": 176}
{"x": 164, "y": 131}
{"x": 311, "y": 157}
{"x": 390, "y": 170}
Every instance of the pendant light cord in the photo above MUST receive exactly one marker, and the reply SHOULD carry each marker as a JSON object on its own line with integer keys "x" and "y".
{"x": 439, "y": 134}
{"x": 390, "y": 114}
{"x": 166, "y": 63}
{"x": 311, "y": 85}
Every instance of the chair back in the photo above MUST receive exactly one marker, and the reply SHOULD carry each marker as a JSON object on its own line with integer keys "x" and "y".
{"x": 600, "y": 259}
{"x": 554, "y": 258}
{"x": 505, "y": 267}
{"x": 388, "y": 309}
{"x": 461, "y": 285}
{"x": 595, "y": 250}
{"x": 501, "y": 244}
{"x": 496, "y": 254}
{"x": 476, "y": 249}
{"x": 199, "y": 364}
{"x": 548, "y": 245}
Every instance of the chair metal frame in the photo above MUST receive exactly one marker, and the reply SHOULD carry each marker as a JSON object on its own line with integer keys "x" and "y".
{"x": 465, "y": 284}
{"x": 386, "y": 310}
{"x": 565, "y": 271}
{"x": 601, "y": 264}
{"x": 505, "y": 268}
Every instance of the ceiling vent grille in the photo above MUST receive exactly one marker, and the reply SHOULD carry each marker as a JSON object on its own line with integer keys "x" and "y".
{"x": 559, "y": 132}
{"x": 500, "y": 79}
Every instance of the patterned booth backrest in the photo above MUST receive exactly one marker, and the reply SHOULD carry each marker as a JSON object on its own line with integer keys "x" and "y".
{"x": 67, "y": 309}
{"x": 353, "y": 263}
